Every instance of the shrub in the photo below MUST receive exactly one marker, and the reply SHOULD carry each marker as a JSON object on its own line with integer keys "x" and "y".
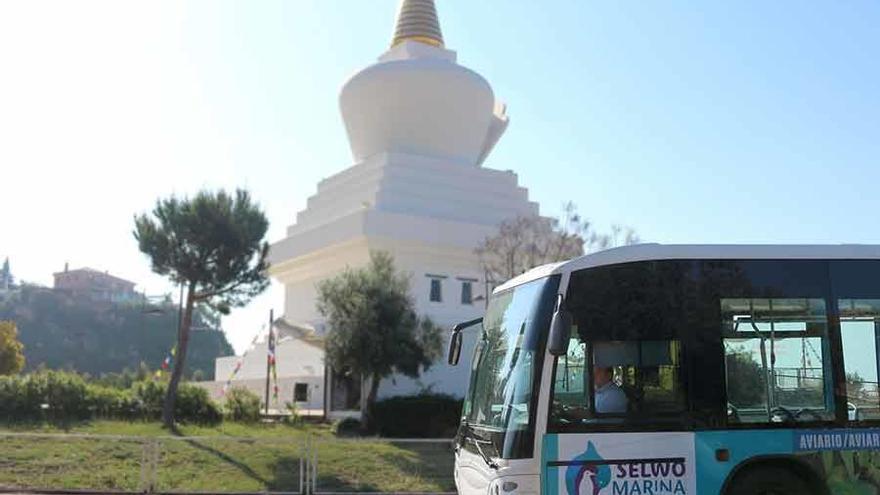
{"x": 149, "y": 397}
{"x": 242, "y": 405}
{"x": 194, "y": 405}
{"x": 417, "y": 416}
{"x": 64, "y": 394}
{"x": 348, "y": 427}
{"x": 14, "y": 404}
{"x": 293, "y": 417}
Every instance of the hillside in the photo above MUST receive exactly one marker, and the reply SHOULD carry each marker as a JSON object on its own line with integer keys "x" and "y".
{"x": 60, "y": 331}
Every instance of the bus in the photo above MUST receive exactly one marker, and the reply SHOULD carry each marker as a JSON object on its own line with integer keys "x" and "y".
{"x": 690, "y": 369}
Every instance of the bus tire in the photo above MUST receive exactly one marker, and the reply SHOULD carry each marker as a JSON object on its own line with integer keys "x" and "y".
{"x": 769, "y": 481}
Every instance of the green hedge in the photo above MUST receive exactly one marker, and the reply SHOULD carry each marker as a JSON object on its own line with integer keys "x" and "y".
{"x": 65, "y": 396}
{"x": 107, "y": 402}
{"x": 48, "y": 395}
{"x": 418, "y": 416}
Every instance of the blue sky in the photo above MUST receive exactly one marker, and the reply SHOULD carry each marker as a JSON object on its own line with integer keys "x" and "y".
{"x": 732, "y": 123}
{"x": 726, "y": 123}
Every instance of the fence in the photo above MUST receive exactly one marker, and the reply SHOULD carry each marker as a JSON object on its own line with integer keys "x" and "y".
{"x": 305, "y": 464}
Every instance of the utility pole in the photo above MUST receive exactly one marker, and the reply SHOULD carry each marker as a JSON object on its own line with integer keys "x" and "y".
{"x": 269, "y": 356}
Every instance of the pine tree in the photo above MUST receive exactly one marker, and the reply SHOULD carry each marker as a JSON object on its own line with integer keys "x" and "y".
{"x": 213, "y": 245}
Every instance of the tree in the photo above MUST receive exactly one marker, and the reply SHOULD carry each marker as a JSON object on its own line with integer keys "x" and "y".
{"x": 213, "y": 245}
{"x": 746, "y": 385}
{"x": 525, "y": 242}
{"x": 854, "y": 384}
{"x": 11, "y": 350}
{"x": 6, "y": 278}
{"x": 373, "y": 329}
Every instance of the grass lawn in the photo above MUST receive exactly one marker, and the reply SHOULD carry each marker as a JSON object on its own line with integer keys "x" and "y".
{"x": 228, "y": 458}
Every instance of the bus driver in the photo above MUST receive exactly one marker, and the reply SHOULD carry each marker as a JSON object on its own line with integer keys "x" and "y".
{"x": 609, "y": 398}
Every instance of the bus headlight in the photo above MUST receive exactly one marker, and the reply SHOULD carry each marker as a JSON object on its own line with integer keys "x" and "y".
{"x": 515, "y": 485}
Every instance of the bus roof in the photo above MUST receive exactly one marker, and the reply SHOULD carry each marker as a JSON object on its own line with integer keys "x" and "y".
{"x": 649, "y": 252}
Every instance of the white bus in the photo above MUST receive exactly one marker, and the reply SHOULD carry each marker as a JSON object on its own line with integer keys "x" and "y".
{"x": 655, "y": 370}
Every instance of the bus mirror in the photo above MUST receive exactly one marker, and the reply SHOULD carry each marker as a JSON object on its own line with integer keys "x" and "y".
{"x": 454, "y": 348}
{"x": 455, "y": 340}
{"x": 560, "y": 331}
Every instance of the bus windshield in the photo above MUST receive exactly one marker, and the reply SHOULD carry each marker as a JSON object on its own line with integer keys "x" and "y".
{"x": 499, "y": 410}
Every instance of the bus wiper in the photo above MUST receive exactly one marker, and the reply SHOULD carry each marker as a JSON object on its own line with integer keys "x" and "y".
{"x": 477, "y": 439}
{"x": 488, "y": 460}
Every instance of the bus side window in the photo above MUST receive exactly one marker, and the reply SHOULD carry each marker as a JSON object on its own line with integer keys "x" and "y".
{"x": 860, "y": 330}
{"x": 777, "y": 360}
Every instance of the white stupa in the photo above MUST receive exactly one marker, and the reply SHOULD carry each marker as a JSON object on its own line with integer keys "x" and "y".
{"x": 417, "y": 100}
{"x": 420, "y": 127}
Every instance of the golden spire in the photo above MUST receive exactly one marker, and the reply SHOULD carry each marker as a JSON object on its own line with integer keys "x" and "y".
{"x": 417, "y": 21}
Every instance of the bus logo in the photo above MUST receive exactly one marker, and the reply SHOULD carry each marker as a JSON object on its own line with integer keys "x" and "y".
{"x": 591, "y": 466}
{"x": 591, "y": 474}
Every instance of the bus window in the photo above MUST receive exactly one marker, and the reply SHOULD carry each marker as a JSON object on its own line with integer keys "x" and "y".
{"x": 623, "y": 381}
{"x": 647, "y": 372}
{"x": 859, "y": 330}
{"x": 570, "y": 388}
{"x": 776, "y": 360}
{"x": 631, "y": 322}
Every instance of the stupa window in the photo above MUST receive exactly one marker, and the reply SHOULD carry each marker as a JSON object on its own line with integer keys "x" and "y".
{"x": 436, "y": 294}
{"x": 467, "y": 292}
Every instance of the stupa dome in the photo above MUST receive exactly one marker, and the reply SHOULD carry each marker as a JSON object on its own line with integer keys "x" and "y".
{"x": 416, "y": 99}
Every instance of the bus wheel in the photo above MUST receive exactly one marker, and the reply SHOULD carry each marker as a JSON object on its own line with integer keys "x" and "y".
{"x": 769, "y": 481}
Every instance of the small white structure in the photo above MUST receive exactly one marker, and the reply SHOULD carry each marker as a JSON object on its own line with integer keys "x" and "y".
{"x": 420, "y": 126}
{"x": 299, "y": 356}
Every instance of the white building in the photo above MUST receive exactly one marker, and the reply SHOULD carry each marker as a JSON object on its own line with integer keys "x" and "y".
{"x": 420, "y": 127}
{"x": 299, "y": 355}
